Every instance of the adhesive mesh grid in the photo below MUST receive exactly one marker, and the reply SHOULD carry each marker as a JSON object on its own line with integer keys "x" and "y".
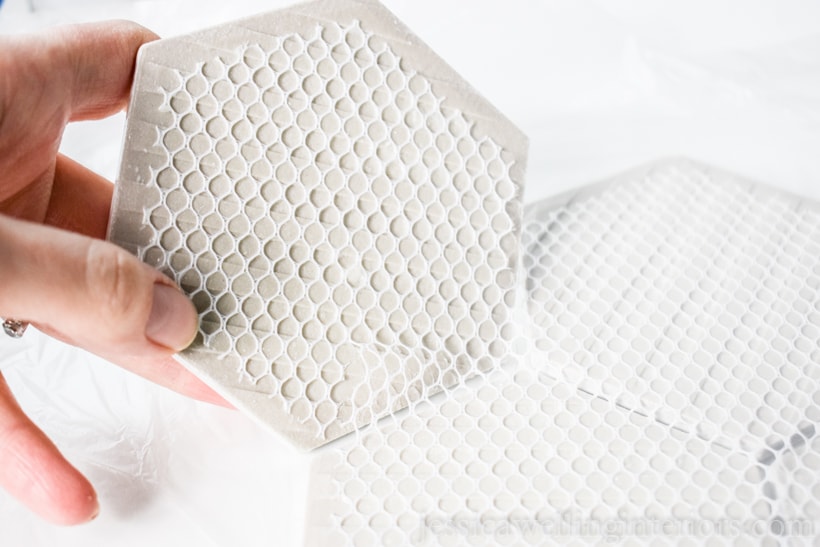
{"x": 669, "y": 396}
{"x": 345, "y": 226}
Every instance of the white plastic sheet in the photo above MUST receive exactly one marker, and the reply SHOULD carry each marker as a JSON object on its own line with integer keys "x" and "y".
{"x": 598, "y": 86}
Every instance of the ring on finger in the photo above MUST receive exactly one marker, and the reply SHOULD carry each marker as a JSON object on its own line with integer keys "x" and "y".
{"x": 14, "y": 328}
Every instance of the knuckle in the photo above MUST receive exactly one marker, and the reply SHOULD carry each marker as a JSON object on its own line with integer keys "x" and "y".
{"x": 15, "y": 257}
{"x": 114, "y": 279}
{"x": 14, "y": 436}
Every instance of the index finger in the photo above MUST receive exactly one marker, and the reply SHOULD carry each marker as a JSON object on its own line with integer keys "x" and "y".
{"x": 98, "y": 62}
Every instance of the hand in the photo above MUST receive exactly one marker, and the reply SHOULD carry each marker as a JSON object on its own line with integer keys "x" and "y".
{"x": 55, "y": 270}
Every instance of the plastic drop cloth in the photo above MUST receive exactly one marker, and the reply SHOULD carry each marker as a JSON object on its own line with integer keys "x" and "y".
{"x": 598, "y": 87}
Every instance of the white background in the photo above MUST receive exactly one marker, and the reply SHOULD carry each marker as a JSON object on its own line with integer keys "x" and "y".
{"x": 599, "y": 86}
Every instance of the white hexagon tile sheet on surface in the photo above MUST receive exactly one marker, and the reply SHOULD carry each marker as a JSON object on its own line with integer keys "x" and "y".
{"x": 343, "y": 209}
{"x": 670, "y": 395}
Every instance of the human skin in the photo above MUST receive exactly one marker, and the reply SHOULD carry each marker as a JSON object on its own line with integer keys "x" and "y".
{"x": 55, "y": 269}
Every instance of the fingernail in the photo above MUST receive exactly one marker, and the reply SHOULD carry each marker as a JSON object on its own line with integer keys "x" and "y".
{"x": 96, "y": 511}
{"x": 173, "y": 321}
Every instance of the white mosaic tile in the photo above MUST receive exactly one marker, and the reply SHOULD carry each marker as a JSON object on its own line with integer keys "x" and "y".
{"x": 670, "y": 395}
{"x": 343, "y": 209}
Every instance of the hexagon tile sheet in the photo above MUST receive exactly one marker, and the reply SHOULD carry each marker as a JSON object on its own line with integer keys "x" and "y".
{"x": 670, "y": 394}
{"x": 343, "y": 209}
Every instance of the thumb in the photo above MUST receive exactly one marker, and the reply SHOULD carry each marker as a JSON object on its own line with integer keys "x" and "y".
{"x": 90, "y": 292}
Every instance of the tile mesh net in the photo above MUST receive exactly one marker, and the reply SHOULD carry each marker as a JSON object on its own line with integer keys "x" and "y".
{"x": 649, "y": 372}
{"x": 347, "y": 234}
{"x": 669, "y": 393}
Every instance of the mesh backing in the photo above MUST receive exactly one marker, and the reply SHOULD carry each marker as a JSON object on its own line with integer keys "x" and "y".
{"x": 326, "y": 191}
{"x": 669, "y": 393}
{"x": 345, "y": 213}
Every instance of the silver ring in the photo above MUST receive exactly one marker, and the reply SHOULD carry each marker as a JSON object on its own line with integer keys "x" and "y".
{"x": 14, "y": 328}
